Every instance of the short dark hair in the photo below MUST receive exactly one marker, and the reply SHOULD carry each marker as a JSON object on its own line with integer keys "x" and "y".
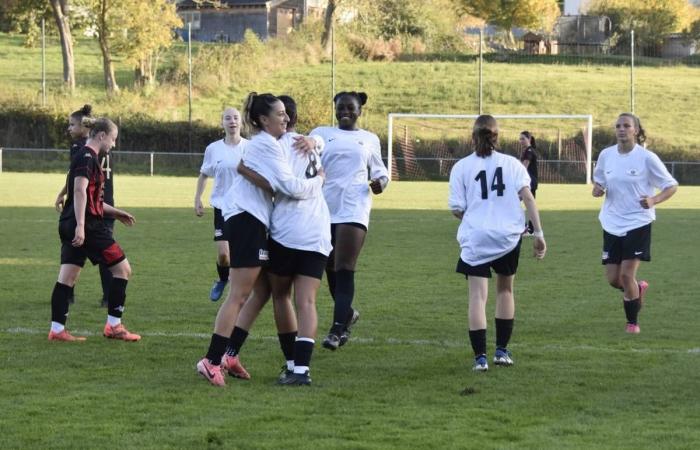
{"x": 485, "y": 135}
{"x": 360, "y": 96}
{"x": 256, "y": 106}
{"x": 290, "y": 107}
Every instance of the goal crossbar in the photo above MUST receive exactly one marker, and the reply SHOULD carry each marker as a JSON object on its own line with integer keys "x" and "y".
{"x": 587, "y": 117}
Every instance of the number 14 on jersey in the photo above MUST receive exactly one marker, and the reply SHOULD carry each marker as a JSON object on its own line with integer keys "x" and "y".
{"x": 496, "y": 183}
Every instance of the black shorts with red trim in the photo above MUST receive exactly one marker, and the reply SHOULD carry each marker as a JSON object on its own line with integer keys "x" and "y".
{"x": 287, "y": 262}
{"x": 506, "y": 265}
{"x": 636, "y": 244}
{"x": 99, "y": 246}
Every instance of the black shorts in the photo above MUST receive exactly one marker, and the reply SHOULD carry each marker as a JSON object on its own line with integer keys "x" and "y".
{"x": 505, "y": 265}
{"x": 352, "y": 224}
{"x": 219, "y": 226}
{"x": 635, "y": 245}
{"x": 247, "y": 241}
{"x": 287, "y": 262}
{"x": 99, "y": 246}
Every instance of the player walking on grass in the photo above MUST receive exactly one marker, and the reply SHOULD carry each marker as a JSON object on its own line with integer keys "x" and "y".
{"x": 628, "y": 175}
{"x": 528, "y": 157}
{"x": 221, "y": 160}
{"x": 79, "y": 135}
{"x": 248, "y": 219}
{"x": 349, "y": 153}
{"x": 84, "y": 234}
{"x": 486, "y": 188}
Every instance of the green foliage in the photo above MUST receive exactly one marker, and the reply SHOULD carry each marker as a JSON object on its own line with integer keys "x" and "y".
{"x": 506, "y": 14}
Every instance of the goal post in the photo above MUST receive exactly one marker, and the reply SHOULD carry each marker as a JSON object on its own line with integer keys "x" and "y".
{"x": 430, "y": 144}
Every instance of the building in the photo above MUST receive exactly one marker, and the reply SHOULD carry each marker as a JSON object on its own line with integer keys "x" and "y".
{"x": 536, "y": 44}
{"x": 677, "y": 46}
{"x": 583, "y": 35}
{"x": 227, "y": 20}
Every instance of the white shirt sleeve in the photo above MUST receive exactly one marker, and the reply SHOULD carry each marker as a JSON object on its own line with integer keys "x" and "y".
{"x": 599, "y": 171}
{"x": 208, "y": 163}
{"x": 377, "y": 169}
{"x": 278, "y": 173}
{"x": 658, "y": 173}
{"x": 457, "y": 200}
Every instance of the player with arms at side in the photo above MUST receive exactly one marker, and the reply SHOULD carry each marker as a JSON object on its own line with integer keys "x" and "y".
{"x": 84, "y": 235}
{"x": 221, "y": 160}
{"x": 627, "y": 174}
{"x": 486, "y": 188}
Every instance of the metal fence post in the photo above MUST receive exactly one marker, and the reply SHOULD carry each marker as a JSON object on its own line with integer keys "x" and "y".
{"x": 481, "y": 70}
{"x": 632, "y": 71}
{"x": 0, "y": 159}
{"x": 151, "y": 163}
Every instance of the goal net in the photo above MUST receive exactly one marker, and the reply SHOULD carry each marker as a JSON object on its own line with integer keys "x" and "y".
{"x": 426, "y": 146}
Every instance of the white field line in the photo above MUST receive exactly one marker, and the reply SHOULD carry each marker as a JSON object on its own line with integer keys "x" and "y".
{"x": 385, "y": 341}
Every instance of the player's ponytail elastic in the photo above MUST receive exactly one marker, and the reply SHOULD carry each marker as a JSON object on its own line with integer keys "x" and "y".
{"x": 641, "y": 134}
{"x": 485, "y": 135}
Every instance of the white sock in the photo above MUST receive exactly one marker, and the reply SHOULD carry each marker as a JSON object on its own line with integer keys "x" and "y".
{"x": 58, "y": 327}
{"x": 113, "y": 321}
{"x": 290, "y": 365}
{"x": 301, "y": 369}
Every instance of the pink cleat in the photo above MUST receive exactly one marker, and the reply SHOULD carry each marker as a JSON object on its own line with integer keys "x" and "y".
{"x": 211, "y": 372}
{"x": 233, "y": 365}
{"x": 64, "y": 336}
{"x": 120, "y": 332}
{"x": 632, "y": 328}
{"x": 643, "y": 286}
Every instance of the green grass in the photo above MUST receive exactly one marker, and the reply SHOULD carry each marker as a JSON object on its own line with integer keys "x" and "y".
{"x": 403, "y": 382}
{"x": 666, "y": 97}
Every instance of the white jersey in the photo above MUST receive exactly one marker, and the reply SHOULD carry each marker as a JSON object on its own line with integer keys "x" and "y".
{"x": 265, "y": 155}
{"x": 486, "y": 189}
{"x": 626, "y": 178}
{"x": 220, "y": 162}
{"x": 301, "y": 224}
{"x": 347, "y": 157}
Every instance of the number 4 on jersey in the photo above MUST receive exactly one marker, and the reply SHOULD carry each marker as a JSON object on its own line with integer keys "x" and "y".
{"x": 496, "y": 184}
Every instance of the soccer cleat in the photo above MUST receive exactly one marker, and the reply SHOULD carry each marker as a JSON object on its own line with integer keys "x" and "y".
{"x": 217, "y": 290}
{"x": 480, "y": 364}
{"x": 295, "y": 379}
{"x": 331, "y": 342}
{"x": 213, "y": 373}
{"x": 233, "y": 366}
{"x": 285, "y": 372}
{"x": 346, "y": 332}
{"x": 632, "y": 328}
{"x": 502, "y": 357}
{"x": 120, "y": 332}
{"x": 64, "y": 336}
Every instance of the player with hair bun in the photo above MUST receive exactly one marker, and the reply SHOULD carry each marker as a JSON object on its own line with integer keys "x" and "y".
{"x": 221, "y": 160}
{"x": 628, "y": 174}
{"x": 486, "y": 188}
{"x": 84, "y": 235}
{"x": 349, "y": 153}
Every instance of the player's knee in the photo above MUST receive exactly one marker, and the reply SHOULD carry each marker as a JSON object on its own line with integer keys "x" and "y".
{"x": 627, "y": 279}
{"x": 122, "y": 270}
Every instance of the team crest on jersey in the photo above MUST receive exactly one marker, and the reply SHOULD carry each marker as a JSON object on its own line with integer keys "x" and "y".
{"x": 263, "y": 255}
{"x": 633, "y": 172}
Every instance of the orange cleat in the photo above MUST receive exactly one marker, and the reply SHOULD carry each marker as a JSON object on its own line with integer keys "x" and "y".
{"x": 213, "y": 374}
{"x": 233, "y": 365}
{"x": 120, "y": 332}
{"x": 64, "y": 336}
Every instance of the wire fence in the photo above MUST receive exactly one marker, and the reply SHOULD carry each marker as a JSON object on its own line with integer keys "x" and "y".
{"x": 44, "y": 160}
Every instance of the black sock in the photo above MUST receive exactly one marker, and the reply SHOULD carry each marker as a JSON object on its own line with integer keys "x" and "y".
{"x": 330, "y": 276}
{"x": 632, "y": 308}
{"x": 478, "y": 341}
{"x": 238, "y": 337}
{"x": 223, "y": 272}
{"x": 106, "y": 280}
{"x": 117, "y": 297}
{"x": 504, "y": 328}
{"x": 59, "y": 302}
{"x": 287, "y": 344}
{"x": 344, "y": 292}
{"x": 302, "y": 353}
{"x": 71, "y": 296}
{"x": 217, "y": 348}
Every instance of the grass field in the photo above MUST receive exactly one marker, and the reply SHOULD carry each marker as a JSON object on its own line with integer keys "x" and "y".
{"x": 426, "y": 87}
{"x": 404, "y": 381}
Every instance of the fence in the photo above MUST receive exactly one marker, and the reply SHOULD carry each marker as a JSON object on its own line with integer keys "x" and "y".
{"x": 405, "y": 169}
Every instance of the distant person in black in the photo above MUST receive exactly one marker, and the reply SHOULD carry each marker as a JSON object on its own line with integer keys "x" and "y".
{"x": 528, "y": 157}
{"x": 79, "y": 135}
{"x": 84, "y": 235}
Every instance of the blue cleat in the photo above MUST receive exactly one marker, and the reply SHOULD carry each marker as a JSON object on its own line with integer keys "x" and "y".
{"x": 502, "y": 357}
{"x": 217, "y": 290}
{"x": 480, "y": 364}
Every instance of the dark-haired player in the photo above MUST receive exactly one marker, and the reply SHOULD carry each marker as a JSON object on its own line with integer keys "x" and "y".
{"x": 84, "y": 235}
{"x": 349, "y": 153}
{"x": 486, "y": 188}
{"x": 528, "y": 157}
{"x": 79, "y": 134}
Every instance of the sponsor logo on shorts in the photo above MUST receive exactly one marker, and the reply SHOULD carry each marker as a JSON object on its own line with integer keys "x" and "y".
{"x": 263, "y": 255}
{"x": 218, "y": 233}
{"x": 605, "y": 255}
{"x": 637, "y": 253}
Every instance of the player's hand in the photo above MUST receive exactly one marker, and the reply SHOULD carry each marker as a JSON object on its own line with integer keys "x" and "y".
{"x": 598, "y": 190}
{"x": 539, "y": 247}
{"x": 59, "y": 203}
{"x": 647, "y": 202}
{"x": 126, "y": 218}
{"x": 304, "y": 144}
{"x": 321, "y": 173}
{"x": 198, "y": 207}
{"x": 376, "y": 186}
{"x": 79, "y": 237}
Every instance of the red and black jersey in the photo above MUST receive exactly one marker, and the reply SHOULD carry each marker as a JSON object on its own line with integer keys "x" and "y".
{"x": 86, "y": 163}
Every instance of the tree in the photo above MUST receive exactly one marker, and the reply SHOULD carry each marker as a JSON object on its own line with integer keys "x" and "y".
{"x": 103, "y": 10}
{"x": 328, "y": 26}
{"x": 506, "y": 14}
{"x": 61, "y": 15}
